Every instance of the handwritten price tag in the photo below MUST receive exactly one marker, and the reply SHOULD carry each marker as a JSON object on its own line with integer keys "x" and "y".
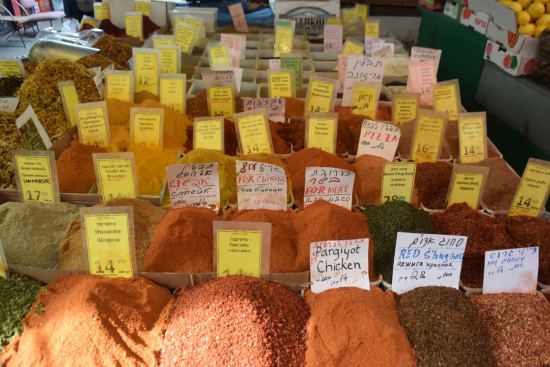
{"x": 365, "y": 99}
{"x": 147, "y": 70}
{"x": 208, "y": 133}
{"x": 221, "y": 101}
{"x": 532, "y": 192}
{"x": 172, "y": 91}
{"x": 261, "y": 186}
{"x": 36, "y": 176}
{"x": 333, "y": 38}
{"x": 8, "y": 104}
{"x": 405, "y": 107}
{"x": 379, "y": 139}
{"x": 472, "y": 137}
{"x": 398, "y": 181}
{"x": 253, "y": 132}
{"x": 321, "y": 94}
{"x": 427, "y": 259}
{"x": 115, "y": 175}
{"x": 447, "y": 98}
{"x": 422, "y": 78}
{"x": 334, "y": 185}
{"x": 275, "y": 107}
{"x": 361, "y": 69}
{"x": 194, "y": 185}
{"x": 429, "y": 132}
{"x": 513, "y": 270}
{"x": 238, "y": 17}
{"x": 337, "y": 264}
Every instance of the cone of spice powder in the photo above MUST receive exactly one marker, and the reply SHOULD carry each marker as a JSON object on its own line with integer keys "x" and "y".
{"x": 355, "y": 327}
{"x": 501, "y": 186}
{"x": 86, "y": 320}
{"x": 75, "y": 168}
{"x": 236, "y": 322}
{"x": 444, "y": 328}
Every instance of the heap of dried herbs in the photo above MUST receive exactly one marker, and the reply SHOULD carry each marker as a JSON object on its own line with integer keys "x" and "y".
{"x": 115, "y": 49}
{"x": 99, "y": 60}
{"x": 10, "y": 139}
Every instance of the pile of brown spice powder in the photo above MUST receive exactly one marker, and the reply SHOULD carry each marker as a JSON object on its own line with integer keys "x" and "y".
{"x": 501, "y": 185}
{"x": 519, "y": 328}
{"x": 444, "y": 328}
{"x": 236, "y": 321}
{"x": 371, "y": 171}
{"x": 75, "y": 168}
{"x": 432, "y": 183}
{"x": 355, "y": 327}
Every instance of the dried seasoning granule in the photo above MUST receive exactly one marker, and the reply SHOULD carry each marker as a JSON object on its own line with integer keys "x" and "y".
{"x": 384, "y": 223}
{"x": 115, "y": 49}
{"x": 432, "y": 183}
{"x": 17, "y": 294}
{"x": 444, "y": 328}
{"x": 87, "y": 320}
{"x": 355, "y": 327}
{"x": 236, "y": 321}
{"x": 99, "y": 60}
{"x": 30, "y": 232}
{"x": 75, "y": 168}
{"x": 519, "y": 327}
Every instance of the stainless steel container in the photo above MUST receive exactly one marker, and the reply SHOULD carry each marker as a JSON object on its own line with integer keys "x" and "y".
{"x": 59, "y": 49}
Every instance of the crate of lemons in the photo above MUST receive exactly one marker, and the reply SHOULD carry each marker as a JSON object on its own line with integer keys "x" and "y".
{"x": 533, "y": 16}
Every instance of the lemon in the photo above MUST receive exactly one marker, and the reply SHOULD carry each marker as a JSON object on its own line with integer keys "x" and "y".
{"x": 527, "y": 29}
{"x": 536, "y": 10}
{"x": 539, "y": 29}
{"x": 524, "y": 3}
{"x": 544, "y": 20}
{"x": 523, "y": 17}
{"x": 515, "y": 6}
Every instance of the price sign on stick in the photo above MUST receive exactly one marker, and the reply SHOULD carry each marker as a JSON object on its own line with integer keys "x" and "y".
{"x": 275, "y": 107}
{"x": 398, "y": 181}
{"x": 333, "y": 38}
{"x": 379, "y": 139}
{"x": 427, "y": 259}
{"x": 146, "y": 69}
{"x": 253, "y": 132}
{"x": 513, "y": 270}
{"x": 119, "y": 84}
{"x": 133, "y": 24}
{"x": 261, "y": 186}
{"x": 428, "y": 136}
{"x": 447, "y": 98}
{"x": 532, "y": 192}
{"x": 115, "y": 175}
{"x": 472, "y": 137}
{"x": 92, "y": 122}
{"x": 147, "y": 126}
{"x": 208, "y": 133}
{"x": 36, "y": 176}
{"x": 321, "y": 131}
{"x": 194, "y": 185}
{"x": 405, "y": 107}
{"x": 173, "y": 90}
{"x": 334, "y": 185}
{"x": 321, "y": 95}
{"x": 238, "y": 17}
{"x": 221, "y": 101}
{"x": 467, "y": 185}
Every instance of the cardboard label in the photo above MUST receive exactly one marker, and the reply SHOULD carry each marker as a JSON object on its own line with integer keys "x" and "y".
{"x": 424, "y": 54}
{"x": 429, "y": 131}
{"x": 333, "y": 38}
{"x": 163, "y": 40}
{"x": 170, "y": 59}
{"x": 372, "y": 29}
{"x": 532, "y": 192}
{"x": 467, "y": 184}
{"x": 33, "y": 135}
{"x": 321, "y": 131}
{"x": 101, "y": 11}
{"x": 378, "y": 139}
{"x": 146, "y": 69}
{"x": 93, "y": 123}
{"x": 422, "y": 78}
{"x": 146, "y": 126}
{"x": 11, "y": 67}
{"x": 238, "y": 17}
{"x": 186, "y": 37}
{"x": 221, "y": 101}
{"x": 427, "y": 260}
{"x": 115, "y": 175}
{"x": 69, "y": 96}
{"x": 361, "y": 69}
{"x": 281, "y": 83}
{"x": 119, "y": 85}
{"x": 405, "y": 107}
{"x": 511, "y": 271}
{"x": 36, "y": 176}
{"x": 353, "y": 48}
{"x": 173, "y": 91}
{"x": 320, "y": 96}
{"x": 218, "y": 56}
{"x": 275, "y": 107}
{"x": 334, "y": 185}
{"x": 447, "y": 98}
{"x": 472, "y": 137}
{"x": 133, "y": 24}
{"x": 365, "y": 100}
{"x": 398, "y": 181}
{"x": 337, "y": 264}
{"x": 143, "y": 6}
{"x": 109, "y": 237}
{"x": 253, "y": 132}
{"x": 9, "y": 104}
{"x": 208, "y": 133}
{"x": 194, "y": 185}
{"x": 293, "y": 62}
{"x": 284, "y": 37}
{"x": 261, "y": 186}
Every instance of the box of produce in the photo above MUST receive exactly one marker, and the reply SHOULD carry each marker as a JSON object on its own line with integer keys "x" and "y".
{"x": 509, "y": 61}
{"x": 513, "y": 41}
{"x": 477, "y": 20}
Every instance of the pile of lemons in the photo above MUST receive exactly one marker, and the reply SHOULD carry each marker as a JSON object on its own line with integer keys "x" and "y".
{"x": 533, "y": 16}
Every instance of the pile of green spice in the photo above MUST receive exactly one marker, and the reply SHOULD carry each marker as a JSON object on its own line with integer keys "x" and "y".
{"x": 444, "y": 328}
{"x": 384, "y": 223}
{"x": 519, "y": 326}
{"x": 17, "y": 294}
{"x": 9, "y": 85}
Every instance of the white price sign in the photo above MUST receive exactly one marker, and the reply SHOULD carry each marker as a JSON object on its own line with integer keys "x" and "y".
{"x": 334, "y": 185}
{"x": 514, "y": 270}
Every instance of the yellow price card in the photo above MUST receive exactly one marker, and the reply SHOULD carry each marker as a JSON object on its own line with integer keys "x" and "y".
{"x": 446, "y": 96}
{"x": 195, "y": 22}
{"x": 208, "y": 133}
{"x": 372, "y": 29}
{"x": 218, "y": 56}
{"x": 362, "y": 10}
{"x": 143, "y": 6}
{"x": 101, "y": 11}
{"x": 397, "y": 181}
{"x": 163, "y": 40}
{"x": 365, "y": 99}
{"x": 532, "y": 193}
{"x": 349, "y": 16}
{"x": 69, "y": 96}
{"x": 170, "y": 59}
{"x": 293, "y": 62}
{"x": 36, "y": 176}
{"x": 284, "y": 37}
{"x": 241, "y": 248}
{"x": 352, "y": 47}
{"x": 93, "y": 123}
{"x": 221, "y": 101}
{"x": 9, "y": 67}
{"x": 147, "y": 126}
{"x": 405, "y": 107}
{"x": 253, "y": 132}
{"x": 109, "y": 239}
{"x": 119, "y": 84}
{"x": 280, "y": 83}
{"x": 321, "y": 131}
{"x": 186, "y": 37}
{"x": 321, "y": 94}
{"x": 172, "y": 91}
{"x": 334, "y": 21}
{"x": 133, "y": 22}
{"x": 146, "y": 70}
{"x": 115, "y": 175}
{"x": 428, "y": 136}
{"x": 467, "y": 184}
{"x": 472, "y": 137}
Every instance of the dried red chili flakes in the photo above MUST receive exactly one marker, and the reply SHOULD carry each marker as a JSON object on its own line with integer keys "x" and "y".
{"x": 432, "y": 182}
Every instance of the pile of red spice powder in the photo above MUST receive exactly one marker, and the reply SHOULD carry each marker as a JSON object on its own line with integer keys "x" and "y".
{"x": 355, "y": 327}
{"x": 432, "y": 184}
{"x": 314, "y": 157}
{"x": 86, "y": 320}
{"x": 236, "y": 321}
{"x": 75, "y": 168}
